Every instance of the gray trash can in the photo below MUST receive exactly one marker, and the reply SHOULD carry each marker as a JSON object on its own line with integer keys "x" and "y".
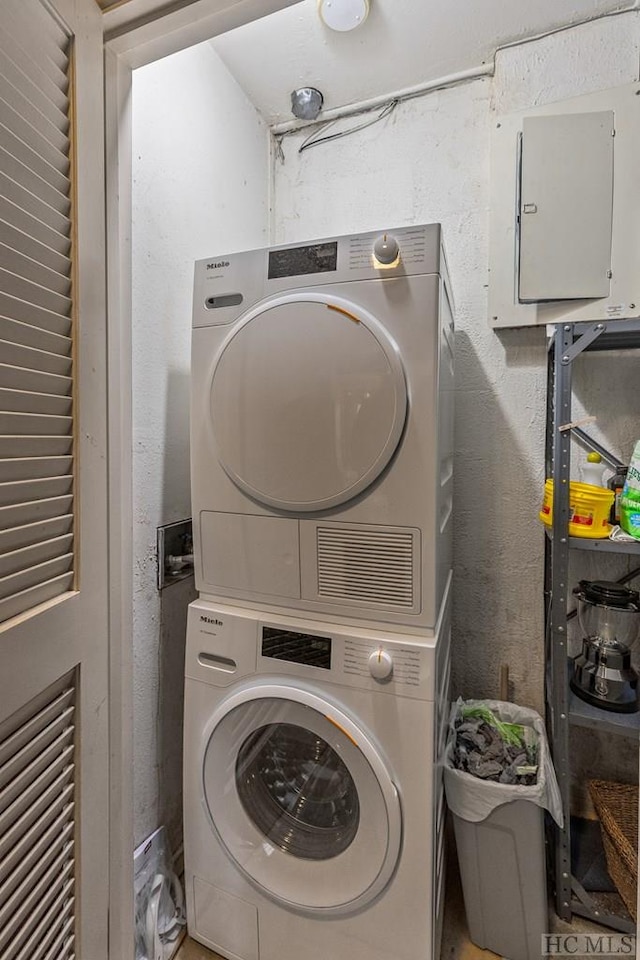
{"x": 499, "y": 832}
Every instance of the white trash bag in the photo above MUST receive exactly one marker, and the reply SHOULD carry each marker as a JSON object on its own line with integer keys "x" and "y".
{"x": 159, "y": 901}
{"x": 474, "y": 799}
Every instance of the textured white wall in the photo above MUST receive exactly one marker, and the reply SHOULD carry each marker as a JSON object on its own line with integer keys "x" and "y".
{"x": 201, "y": 177}
{"x": 200, "y": 188}
{"x": 429, "y": 161}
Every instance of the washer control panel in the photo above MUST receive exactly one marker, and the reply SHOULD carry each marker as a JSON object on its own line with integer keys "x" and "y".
{"x": 399, "y": 665}
{"x": 296, "y": 647}
{"x": 225, "y": 645}
{"x": 383, "y": 661}
{"x": 380, "y": 664}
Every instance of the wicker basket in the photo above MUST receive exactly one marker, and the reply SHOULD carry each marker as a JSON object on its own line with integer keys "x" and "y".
{"x": 617, "y": 808}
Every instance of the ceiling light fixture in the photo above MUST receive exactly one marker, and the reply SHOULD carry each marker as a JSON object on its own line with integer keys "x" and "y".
{"x": 343, "y": 15}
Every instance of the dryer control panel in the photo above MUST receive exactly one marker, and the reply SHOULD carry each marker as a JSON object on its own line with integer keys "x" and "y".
{"x": 302, "y": 261}
{"x": 227, "y": 286}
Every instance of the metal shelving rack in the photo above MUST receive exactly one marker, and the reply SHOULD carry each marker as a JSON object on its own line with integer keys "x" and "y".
{"x": 568, "y": 341}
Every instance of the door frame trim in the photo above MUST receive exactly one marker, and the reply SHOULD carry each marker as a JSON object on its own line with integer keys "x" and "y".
{"x": 143, "y": 44}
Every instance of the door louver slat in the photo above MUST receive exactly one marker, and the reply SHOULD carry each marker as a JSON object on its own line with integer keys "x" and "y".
{"x": 23, "y": 172}
{"x": 36, "y": 77}
{"x": 34, "y": 380}
{"x": 44, "y": 852}
{"x": 37, "y": 827}
{"x": 33, "y": 533}
{"x": 25, "y": 910}
{"x": 38, "y": 316}
{"x": 48, "y": 943}
{"x": 48, "y": 821}
{"x": 36, "y": 249}
{"x": 57, "y": 768}
{"x": 27, "y": 579}
{"x": 27, "y": 763}
{"x": 32, "y": 512}
{"x": 28, "y": 335}
{"x": 36, "y": 307}
{"x": 53, "y": 130}
{"x": 42, "y": 945}
{"x": 35, "y": 446}
{"x": 28, "y": 557}
{"x": 25, "y": 491}
{"x": 22, "y": 74}
{"x": 26, "y": 401}
{"x": 35, "y": 359}
{"x": 37, "y": 722}
{"x": 58, "y": 792}
{"x": 28, "y": 599}
{"x": 35, "y": 467}
{"x": 33, "y": 227}
{"x": 31, "y": 183}
{"x": 31, "y": 423}
{"x": 24, "y": 16}
{"x": 60, "y": 909}
{"x": 16, "y": 123}
{"x": 39, "y": 295}
{"x": 16, "y": 262}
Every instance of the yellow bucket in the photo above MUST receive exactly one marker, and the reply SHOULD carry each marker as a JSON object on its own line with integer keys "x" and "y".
{"x": 589, "y": 508}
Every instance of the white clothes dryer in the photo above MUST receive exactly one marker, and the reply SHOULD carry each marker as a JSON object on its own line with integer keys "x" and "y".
{"x": 322, "y": 428}
{"x": 314, "y": 803}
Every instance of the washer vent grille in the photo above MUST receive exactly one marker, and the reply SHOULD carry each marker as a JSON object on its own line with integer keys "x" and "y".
{"x": 37, "y": 829}
{"x": 371, "y": 566}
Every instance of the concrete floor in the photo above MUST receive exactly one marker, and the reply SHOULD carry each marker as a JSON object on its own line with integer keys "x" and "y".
{"x": 190, "y": 950}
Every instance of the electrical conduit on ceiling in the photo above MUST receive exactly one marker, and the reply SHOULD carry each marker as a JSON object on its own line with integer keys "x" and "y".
{"x": 280, "y": 130}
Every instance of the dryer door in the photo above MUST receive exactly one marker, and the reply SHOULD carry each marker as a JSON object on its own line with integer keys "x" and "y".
{"x": 300, "y": 799}
{"x": 308, "y": 402}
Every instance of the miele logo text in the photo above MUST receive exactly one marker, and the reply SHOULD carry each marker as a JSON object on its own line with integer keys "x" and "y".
{"x": 217, "y": 623}
{"x": 217, "y": 265}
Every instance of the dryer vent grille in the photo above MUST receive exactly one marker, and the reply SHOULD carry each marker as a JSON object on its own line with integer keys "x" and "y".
{"x": 373, "y": 566}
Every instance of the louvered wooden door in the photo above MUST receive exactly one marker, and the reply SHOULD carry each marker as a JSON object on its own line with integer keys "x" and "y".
{"x": 54, "y": 756}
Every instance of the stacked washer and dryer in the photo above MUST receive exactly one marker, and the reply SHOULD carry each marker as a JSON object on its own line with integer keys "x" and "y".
{"x": 317, "y": 662}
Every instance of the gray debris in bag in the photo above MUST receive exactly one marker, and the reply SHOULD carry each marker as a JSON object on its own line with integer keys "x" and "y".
{"x": 473, "y": 799}
{"x": 485, "y": 749}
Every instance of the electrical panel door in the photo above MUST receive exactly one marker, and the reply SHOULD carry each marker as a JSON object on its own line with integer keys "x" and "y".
{"x": 566, "y": 206}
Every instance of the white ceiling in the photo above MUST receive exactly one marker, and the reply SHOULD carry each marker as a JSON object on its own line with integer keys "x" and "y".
{"x": 123, "y": 15}
{"x": 403, "y": 43}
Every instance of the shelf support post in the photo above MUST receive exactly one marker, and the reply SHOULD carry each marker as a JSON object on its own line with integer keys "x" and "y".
{"x": 561, "y": 453}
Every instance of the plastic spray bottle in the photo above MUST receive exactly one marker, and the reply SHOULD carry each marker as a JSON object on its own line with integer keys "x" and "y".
{"x": 593, "y": 469}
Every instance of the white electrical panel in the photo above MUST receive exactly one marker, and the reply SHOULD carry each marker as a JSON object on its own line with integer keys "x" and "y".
{"x": 566, "y": 207}
{"x": 565, "y": 212}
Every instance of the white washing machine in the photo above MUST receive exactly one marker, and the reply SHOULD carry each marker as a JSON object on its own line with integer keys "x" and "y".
{"x": 314, "y": 803}
{"x": 322, "y": 429}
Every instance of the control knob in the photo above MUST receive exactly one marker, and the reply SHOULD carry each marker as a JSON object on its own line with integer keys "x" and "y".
{"x": 386, "y": 251}
{"x": 380, "y": 664}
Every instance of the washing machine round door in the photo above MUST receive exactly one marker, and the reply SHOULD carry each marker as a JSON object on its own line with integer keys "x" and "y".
{"x": 308, "y": 402}
{"x": 301, "y": 799}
